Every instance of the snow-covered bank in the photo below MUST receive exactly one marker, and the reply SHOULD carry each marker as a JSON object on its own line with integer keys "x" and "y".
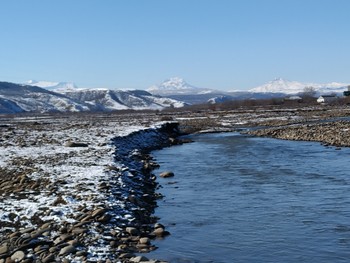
{"x": 88, "y": 203}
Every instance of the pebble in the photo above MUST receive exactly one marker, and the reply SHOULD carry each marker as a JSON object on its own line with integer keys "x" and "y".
{"x": 132, "y": 231}
{"x": 18, "y": 255}
{"x": 79, "y": 230}
{"x": 76, "y": 144}
{"x": 160, "y": 232}
{"x": 167, "y": 174}
{"x": 4, "y": 249}
{"x": 98, "y": 212}
{"x": 67, "y": 250}
{"x": 144, "y": 240}
{"x": 138, "y": 259}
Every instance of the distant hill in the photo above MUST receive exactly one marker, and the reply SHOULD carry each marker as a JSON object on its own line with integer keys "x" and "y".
{"x": 108, "y": 100}
{"x": 16, "y": 98}
{"x": 280, "y": 85}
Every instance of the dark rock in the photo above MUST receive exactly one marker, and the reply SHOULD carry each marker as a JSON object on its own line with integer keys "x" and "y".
{"x": 76, "y": 144}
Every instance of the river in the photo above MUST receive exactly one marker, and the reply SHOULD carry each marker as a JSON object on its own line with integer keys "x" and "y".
{"x": 237, "y": 198}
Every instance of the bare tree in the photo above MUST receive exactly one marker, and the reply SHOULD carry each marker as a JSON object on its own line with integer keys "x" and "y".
{"x": 309, "y": 91}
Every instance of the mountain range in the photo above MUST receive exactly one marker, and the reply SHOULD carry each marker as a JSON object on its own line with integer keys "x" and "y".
{"x": 280, "y": 85}
{"x": 44, "y": 96}
{"x": 179, "y": 89}
{"x": 17, "y": 98}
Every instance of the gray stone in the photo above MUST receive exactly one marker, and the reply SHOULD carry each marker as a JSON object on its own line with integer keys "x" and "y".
{"x": 167, "y": 174}
{"x": 67, "y": 250}
{"x": 98, "y": 212}
{"x": 78, "y": 230}
{"x": 144, "y": 240}
{"x": 4, "y": 249}
{"x": 139, "y": 259}
{"x": 132, "y": 231}
{"x": 160, "y": 232}
{"x": 18, "y": 255}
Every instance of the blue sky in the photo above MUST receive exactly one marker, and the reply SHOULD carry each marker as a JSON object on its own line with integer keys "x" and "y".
{"x": 221, "y": 44}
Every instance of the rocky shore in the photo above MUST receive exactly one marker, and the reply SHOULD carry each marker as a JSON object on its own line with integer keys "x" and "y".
{"x": 334, "y": 133}
{"x": 71, "y": 194}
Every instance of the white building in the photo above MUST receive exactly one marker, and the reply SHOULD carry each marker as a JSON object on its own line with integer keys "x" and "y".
{"x": 326, "y": 98}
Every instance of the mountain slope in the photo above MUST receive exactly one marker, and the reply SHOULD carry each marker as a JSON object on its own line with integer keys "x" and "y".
{"x": 107, "y": 100}
{"x": 23, "y": 98}
{"x": 16, "y": 98}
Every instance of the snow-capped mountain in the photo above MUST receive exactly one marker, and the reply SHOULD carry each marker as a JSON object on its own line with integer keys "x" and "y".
{"x": 15, "y": 98}
{"x": 53, "y": 86}
{"x": 176, "y": 86}
{"x": 280, "y": 85}
{"x": 108, "y": 100}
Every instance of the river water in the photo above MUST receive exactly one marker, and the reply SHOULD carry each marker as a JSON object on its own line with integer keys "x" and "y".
{"x": 236, "y": 198}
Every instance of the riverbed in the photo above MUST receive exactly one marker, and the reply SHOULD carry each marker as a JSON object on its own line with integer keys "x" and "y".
{"x": 238, "y": 198}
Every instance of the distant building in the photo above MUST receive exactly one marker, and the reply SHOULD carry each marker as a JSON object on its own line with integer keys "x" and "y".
{"x": 326, "y": 98}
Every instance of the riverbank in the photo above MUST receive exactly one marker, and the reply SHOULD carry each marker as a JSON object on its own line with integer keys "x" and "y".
{"x": 333, "y": 133}
{"x": 79, "y": 189}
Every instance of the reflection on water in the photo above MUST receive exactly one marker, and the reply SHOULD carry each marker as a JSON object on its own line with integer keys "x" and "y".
{"x": 237, "y": 198}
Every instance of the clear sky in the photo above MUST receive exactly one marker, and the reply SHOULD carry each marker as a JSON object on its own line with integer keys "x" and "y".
{"x": 220, "y": 44}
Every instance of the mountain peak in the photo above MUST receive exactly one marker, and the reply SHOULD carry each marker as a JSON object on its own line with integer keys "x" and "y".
{"x": 176, "y": 86}
{"x": 174, "y": 83}
{"x": 53, "y": 86}
{"x": 279, "y": 80}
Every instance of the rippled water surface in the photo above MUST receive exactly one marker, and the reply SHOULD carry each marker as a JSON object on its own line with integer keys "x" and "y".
{"x": 237, "y": 198}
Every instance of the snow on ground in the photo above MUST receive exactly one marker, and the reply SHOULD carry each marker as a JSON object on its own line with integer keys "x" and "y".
{"x": 69, "y": 178}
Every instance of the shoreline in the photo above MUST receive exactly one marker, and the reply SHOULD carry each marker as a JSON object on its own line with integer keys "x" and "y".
{"x": 333, "y": 133}
{"x": 100, "y": 209}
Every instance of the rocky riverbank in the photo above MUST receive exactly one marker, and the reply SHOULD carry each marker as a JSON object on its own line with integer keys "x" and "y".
{"x": 335, "y": 133}
{"x": 80, "y": 188}
{"x": 72, "y": 192}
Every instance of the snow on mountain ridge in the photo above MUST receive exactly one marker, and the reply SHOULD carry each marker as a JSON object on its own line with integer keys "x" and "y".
{"x": 280, "y": 85}
{"x": 16, "y": 98}
{"x": 53, "y": 86}
{"x": 176, "y": 86}
{"x": 174, "y": 83}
